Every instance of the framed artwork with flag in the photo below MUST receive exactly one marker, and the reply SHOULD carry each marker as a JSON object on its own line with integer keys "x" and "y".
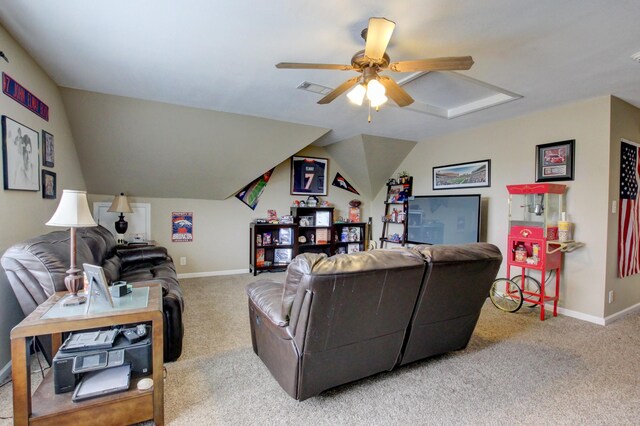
{"x": 628, "y": 215}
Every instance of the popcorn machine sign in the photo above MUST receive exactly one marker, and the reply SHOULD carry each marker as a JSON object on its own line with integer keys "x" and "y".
{"x": 182, "y": 227}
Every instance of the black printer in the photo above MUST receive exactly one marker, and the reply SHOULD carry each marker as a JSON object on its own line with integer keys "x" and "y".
{"x": 97, "y": 350}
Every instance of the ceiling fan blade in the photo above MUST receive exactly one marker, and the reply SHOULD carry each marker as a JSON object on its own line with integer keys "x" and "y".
{"x": 434, "y": 64}
{"x": 395, "y": 92}
{"x": 378, "y": 36}
{"x": 295, "y": 65}
{"x": 339, "y": 90}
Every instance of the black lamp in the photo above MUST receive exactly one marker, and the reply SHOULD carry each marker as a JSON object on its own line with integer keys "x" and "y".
{"x": 120, "y": 205}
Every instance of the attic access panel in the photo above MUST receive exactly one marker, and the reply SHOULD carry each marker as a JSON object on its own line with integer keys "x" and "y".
{"x": 450, "y": 94}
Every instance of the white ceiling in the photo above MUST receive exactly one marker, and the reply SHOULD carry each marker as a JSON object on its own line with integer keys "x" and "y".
{"x": 220, "y": 55}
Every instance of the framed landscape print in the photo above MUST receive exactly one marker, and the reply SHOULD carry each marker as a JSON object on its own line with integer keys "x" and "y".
{"x": 48, "y": 185}
{"x": 21, "y": 156}
{"x": 309, "y": 176}
{"x": 462, "y": 175}
{"x": 47, "y": 149}
{"x": 555, "y": 161}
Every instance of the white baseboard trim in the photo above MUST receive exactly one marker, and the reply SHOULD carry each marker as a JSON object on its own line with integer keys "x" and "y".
{"x": 575, "y": 314}
{"x": 591, "y": 318}
{"x": 5, "y": 373}
{"x": 213, "y": 273}
{"x": 614, "y": 317}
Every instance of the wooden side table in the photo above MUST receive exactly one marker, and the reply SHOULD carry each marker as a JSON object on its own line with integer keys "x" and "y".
{"x": 45, "y": 407}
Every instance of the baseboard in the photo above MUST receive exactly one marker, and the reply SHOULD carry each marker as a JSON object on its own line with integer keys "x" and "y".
{"x": 213, "y": 273}
{"x": 575, "y": 314}
{"x": 5, "y": 373}
{"x": 614, "y": 317}
{"x": 593, "y": 319}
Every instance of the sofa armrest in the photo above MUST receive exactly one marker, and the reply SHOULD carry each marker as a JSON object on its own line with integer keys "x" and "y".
{"x": 266, "y": 296}
{"x": 142, "y": 254}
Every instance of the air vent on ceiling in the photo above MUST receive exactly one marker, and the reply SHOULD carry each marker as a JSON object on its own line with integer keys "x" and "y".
{"x": 314, "y": 88}
{"x": 636, "y": 56}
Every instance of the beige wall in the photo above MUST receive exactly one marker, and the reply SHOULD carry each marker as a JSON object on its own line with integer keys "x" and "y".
{"x": 511, "y": 145}
{"x": 24, "y": 213}
{"x": 625, "y": 124}
{"x": 221, "y": 228}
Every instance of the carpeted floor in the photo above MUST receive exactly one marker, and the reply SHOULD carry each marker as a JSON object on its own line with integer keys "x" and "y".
{"x": 516, "y": 370}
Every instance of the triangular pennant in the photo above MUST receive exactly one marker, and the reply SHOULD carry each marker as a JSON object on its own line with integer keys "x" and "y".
{"x": 341, "y": 182}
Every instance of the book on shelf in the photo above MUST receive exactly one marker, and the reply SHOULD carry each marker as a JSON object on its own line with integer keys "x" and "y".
{"x": 259, "y": 239}
{"x": 282, "y": 256}
{"x": 353, "y": 248}
{"x": 323, "y": 218}
{"x": 286, "y": 236}
{"x": 260, "y": 257}
{"x": 266, "y": 238}
{"x": 322, "y": 236}
{"x": 354, "y": 233}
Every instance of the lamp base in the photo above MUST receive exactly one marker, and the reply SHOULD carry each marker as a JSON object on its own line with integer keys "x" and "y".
{"x": 73, "y": 300}
{"x": 120, "y": 239}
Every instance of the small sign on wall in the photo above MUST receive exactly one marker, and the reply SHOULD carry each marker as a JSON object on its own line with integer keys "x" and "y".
{"x": 182, "y": 227}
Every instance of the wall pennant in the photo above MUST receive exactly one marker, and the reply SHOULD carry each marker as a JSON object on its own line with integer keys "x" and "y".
{"x": 341, "y": 182}
{"x": 18, "y": 93}
{"x": 250, "y": 194}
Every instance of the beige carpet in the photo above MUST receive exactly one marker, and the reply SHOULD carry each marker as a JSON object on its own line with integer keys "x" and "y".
{"x": 516, "y": 370}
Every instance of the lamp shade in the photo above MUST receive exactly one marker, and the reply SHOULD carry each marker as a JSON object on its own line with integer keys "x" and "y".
{"x": 73, "y": 211}
{"x": 120, "y": 204}
{"x": 356, "y": 95}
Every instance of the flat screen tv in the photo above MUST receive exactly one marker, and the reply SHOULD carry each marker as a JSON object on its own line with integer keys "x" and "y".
{"x": 444, "y": 219}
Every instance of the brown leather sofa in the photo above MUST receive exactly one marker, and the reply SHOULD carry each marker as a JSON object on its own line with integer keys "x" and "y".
{"x": 36, "y": 269}
{"x": 339, "y": 319}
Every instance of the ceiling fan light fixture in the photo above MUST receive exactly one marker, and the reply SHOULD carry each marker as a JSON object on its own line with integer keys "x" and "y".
{"x": 376, "y": 92}
{"x": 379, "y": 101}
{"x": 356, "y": 95}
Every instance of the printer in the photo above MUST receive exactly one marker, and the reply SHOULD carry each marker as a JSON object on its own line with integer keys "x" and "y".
{"x": 98, "y": 350}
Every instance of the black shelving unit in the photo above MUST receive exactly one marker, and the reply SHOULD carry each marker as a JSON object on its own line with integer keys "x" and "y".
{"x": 349, "y": 237}
{"x": 315, "y": 224}
{"x": 272, "y": 246}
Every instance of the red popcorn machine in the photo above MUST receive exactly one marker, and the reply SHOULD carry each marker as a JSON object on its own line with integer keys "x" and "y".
{"x": 535, "y": 213}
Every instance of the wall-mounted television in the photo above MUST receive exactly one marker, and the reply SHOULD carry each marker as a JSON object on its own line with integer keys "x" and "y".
{"x": 443, "y": 219}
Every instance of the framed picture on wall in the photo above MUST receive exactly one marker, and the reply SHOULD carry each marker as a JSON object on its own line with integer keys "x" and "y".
{"x": 309, "y": 176}
{"x": 21, "y": 156}
{"x": 462, "y": 175}
{"x": 555, "y": 161}
{"x": 47, "y": 149}
{"x": 181, "y": 227}
{"x": 48, "y": 185}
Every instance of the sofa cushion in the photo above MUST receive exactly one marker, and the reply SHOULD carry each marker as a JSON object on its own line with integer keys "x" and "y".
{"x": 297, "y": 269}
{"x": 267, "y": 297}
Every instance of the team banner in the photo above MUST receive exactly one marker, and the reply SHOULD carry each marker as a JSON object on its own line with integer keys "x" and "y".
{"x": 250, "y": 194}
{"x": 18, "y": 93}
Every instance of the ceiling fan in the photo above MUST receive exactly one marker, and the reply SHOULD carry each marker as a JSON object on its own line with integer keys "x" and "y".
{"x": 373, "y": 59}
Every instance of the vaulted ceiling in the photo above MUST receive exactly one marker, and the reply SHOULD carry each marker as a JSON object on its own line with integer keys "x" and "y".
{"x": 219, "y": 55}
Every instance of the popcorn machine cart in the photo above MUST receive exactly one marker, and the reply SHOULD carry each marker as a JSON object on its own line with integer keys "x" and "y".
{"x": 534, "y": 213}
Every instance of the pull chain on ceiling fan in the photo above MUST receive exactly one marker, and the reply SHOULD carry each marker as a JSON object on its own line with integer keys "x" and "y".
{"x": 373, "y": 59}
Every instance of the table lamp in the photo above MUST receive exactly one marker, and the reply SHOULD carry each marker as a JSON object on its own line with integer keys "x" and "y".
{"x": 73, "y": 212}
{"x": 120, "y": 205}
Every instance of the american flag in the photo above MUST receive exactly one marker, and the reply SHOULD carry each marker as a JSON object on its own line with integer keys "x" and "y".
{"x": 629, "y": 216}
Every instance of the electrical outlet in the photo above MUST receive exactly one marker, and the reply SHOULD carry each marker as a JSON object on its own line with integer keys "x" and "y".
{"x": 611, "y": 296}
{"x": 613, "y": 206}
{"x": 183, "y": 261}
